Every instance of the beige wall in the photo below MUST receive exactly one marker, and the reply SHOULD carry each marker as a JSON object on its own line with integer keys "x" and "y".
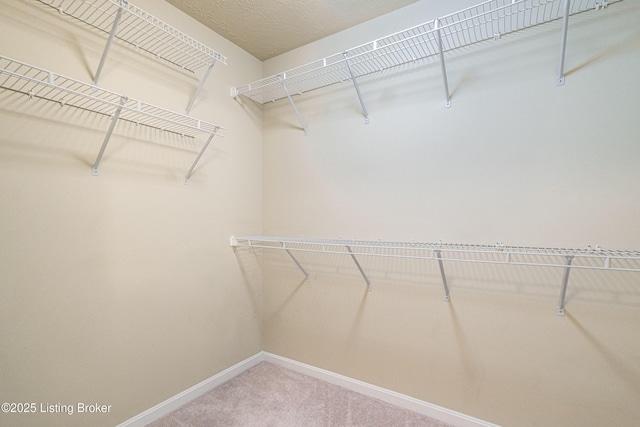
{"x": 121, "y": 289}
{"x": 516, "y": 159}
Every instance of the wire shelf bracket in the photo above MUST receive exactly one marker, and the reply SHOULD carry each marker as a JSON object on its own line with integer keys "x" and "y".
{"x": 567, "y": 259}
{"x": 366, "y": 279}
{"x": 565, "y": 281}
{"x": 447, "y": 100}
{"x": 297, "y": 263}
{"x": 488, "y": 20}
{"x": 123, "y": 20}
{"x": 200, "y": 153}
{"x": 96, "y": 165}
{"x": 199, "y": 88}
{"x": 107, "y": 47}
{"x": 293, "y": 104}
{"x": 38, "y": 83}
{"x": 438, "y": 255}
{"x": 357, "y": 87}
{"x": 563, "y": 42}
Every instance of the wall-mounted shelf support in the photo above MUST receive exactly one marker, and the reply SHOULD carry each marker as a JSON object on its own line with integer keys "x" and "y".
{"x": 200, "y": 86}
{"x": 438, "y": 255}
{"x": 355, "y": 84}
{"x": 297, "y": 262}
{"x": 587, "y": 259}
{"x": 565, "y": 281}
{"x": 197, "y": 159}
{"x": 366, "y": 279}
{"x": 95, "y": 170}
{"x": 107, "y": 47}
{"x": 563, "y": 41}
{"x": 293, "y": 104}
{"x": 447, "y": 100}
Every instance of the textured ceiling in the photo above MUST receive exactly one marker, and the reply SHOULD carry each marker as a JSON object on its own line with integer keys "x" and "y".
{"x": 267, "y": 28}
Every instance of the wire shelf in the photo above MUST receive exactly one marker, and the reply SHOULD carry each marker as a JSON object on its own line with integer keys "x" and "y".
{"x": 487, "y": 20}
{"x": 587, "y": 258}
{"x": 141, "y": 30}
{"x": 42, "y": 84}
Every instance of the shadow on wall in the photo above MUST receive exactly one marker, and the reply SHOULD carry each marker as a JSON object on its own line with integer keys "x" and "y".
{"x": 592, "y": 286}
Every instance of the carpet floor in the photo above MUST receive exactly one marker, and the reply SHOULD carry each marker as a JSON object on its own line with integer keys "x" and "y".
{"x": 268, "y": 395}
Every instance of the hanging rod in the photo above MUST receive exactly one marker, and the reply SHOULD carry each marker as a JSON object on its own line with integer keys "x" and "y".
{"x": 42, "y": 84}
{"x": 591, "y": 258}
{"x": 488, "y": 20}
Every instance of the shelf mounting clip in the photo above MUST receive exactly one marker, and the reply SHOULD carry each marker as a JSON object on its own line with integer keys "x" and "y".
{"x": 355, "y": 84}
{"x": 95, "y": 169}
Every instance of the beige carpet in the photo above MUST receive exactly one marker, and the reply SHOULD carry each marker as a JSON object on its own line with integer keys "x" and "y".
{"x": 269, "y": 395}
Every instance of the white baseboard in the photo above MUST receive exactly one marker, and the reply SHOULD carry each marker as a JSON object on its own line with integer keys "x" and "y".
{"x": 173, "y": 403}
{"x": 425, "y": 408}
{"x": 401, "y": 400}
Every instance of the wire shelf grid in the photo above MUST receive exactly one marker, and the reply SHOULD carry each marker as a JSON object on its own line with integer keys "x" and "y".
{"x": 587, "y": 258}
{"x": 488, "y": 20}
{"x": 42, "y": 84}
{"x": 141, "y": 30}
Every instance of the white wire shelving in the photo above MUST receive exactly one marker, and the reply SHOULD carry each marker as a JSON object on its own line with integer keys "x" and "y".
{"x": 38, "y": 83}
{"x": 488, "y": 20}
{"x": 591, "y": 258}
{"x": 128, "y": 23}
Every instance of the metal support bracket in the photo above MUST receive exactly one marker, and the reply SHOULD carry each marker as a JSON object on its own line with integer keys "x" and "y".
{"x": 565, "y": 280}
{"x": 355, "y": 84}
{"x": 563, "y": 43}
{"x": 366, "y": 279}
{"x": 112, "y": 34}
{"x": 447, "y": 102}
{"x": 296, "y": 261}
{"x": 200, "y": 86}
{"x": 204, "y": 147}
{"x": 95, "y": 169}
{"x": 444, "y": 277}
{"x": 284, "y": 88}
